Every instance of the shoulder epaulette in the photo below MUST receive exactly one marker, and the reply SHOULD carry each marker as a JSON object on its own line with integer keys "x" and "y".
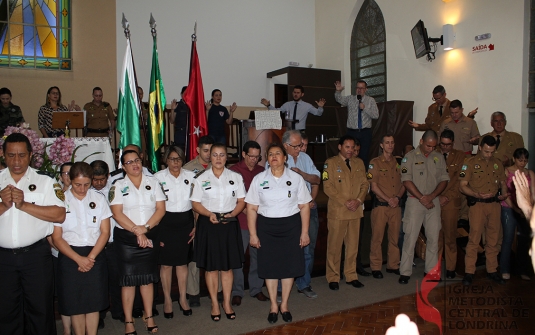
{"x": 113, "y": 182}
{"x": 152, "y": 172}
{"x": 199, "y": 173}
{"x": 46, "y": 173}
{"x": 105, "y": 104}
{"x": 116, "y": 172}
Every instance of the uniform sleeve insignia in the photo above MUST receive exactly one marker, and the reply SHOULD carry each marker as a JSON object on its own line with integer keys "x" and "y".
{"x": 369, "y": 175}
{"x": 404, "y": 170}
{"x": 462, "y": 174}
{"x": 57, "y": 185}
{"x": 198, "y": 173}
{"x": 495, "y": 166}
{"x": 435, "y": 159}
{"x": 59, "y": 194}
{"x": 477, "y": 166}
{"x": 370, "y": 166}
{"x": 404, "y": 160}
{"x": 111, "y": 194}
{"x": 464, "y": 167}
{"x": 325, "y": 175}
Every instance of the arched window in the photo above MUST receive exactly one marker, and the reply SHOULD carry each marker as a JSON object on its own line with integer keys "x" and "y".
{"x": 368, "y": 50}
{"x": 35, "y": 34}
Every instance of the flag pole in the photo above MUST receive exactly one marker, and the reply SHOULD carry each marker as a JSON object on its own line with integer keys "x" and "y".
{"x": 193, "y": 39}
{"x": 126, "y": 27}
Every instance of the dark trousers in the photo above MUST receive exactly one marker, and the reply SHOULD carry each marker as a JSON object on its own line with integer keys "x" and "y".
{"x": 27, "y": 291}
{"x": 114, "y": 290}
{"x": 365, "y": 138}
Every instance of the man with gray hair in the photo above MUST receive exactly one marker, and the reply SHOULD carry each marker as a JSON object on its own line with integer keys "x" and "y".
{"x": 506, "y": 141}
{"x": 424, "y": 175}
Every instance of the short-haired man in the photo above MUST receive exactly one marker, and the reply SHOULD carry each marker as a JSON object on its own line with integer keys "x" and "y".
{"x": 437, "y": 112}
{"x": 384, "y": 176}
{"x": 361, "y": 109}
{"x": 345, "y": 183}
{"x": 297, "y": 109}
{"x": 31, "y": 201}
{"x": 248, "y": 168}
{"x": 301, "y": 163}
{"x": 99, "y": 115}
{"x": 424, "y": 175}
{"x": 464, "y": 128}
{"x": 10, "y": 115}
{"x": 198, "y": 164}
{"x": 450, "y": 201}
{"x": 481, "y": 177}
{"x": 506, "y": 141}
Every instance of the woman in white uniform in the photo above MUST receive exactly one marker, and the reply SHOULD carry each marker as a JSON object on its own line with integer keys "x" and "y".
{"x": 176, "y": 229}
{"x": 82, "y": 269}
{"x": 138, "y": 204}
{"x": 217, "y": 196}
{"x": 278, "y": 217}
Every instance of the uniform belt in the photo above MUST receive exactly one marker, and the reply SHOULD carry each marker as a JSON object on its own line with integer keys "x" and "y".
{"x": 100, "y": 130}
{"x": 489, "y": 200}
{"x": 359, "y": 130}
{"x": 378, "y": 203}
{"x": 22, "y": 250}
{"x": 220, "y": 217}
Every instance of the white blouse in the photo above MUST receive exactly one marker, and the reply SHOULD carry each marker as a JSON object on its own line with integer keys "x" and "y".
{"x": 177, "y": 190}
{"x": 218, "y": 195}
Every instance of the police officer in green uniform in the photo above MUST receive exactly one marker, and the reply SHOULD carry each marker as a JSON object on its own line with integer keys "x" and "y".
{"x": 10, "y": 115}
{"x": 100, "y": 118}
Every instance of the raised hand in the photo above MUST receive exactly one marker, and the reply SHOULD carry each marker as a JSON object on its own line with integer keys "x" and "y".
{"x": 321, "y": 102}
{"x": 208, "y": 105}
{"x": 413, "y": 124}
{"x": 233, "y": 107}
{"x": 265, "y": 102}
{"x": 338, "y": 86}
{"x": 174, "y": 104}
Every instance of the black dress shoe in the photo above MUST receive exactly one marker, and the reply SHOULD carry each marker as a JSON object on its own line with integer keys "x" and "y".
{"x": 467, "y": 280}
{"x": 194, "y": 300}
{"x": 495, "y": 276}
{"x": 363, "y": 272}
{"x": 137, "y": 313}
{"x": 100, "y": 323}
{"x": 272, "y": 317}
{"x": 236, "y": 300}
{"x": 261, "y": 296}
{"x": 355, "y": 283}
{"x": 334, "y": 286}
{"x": 404, "y": 279}
{"x": 394, "y": 271}
{"x": 450, "y": 274}
{"x": 377, "y": 274}
{"x": 286, "y": 316}
{"x": 168, "y": 315}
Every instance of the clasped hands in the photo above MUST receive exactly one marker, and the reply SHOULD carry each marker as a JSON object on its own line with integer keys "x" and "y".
{"x": 215, "y": 220}
{"x": 142, "y": 239}
{"x": 11, "y": 195}
{"x": 353, "y": 204}
{"x": 427, "y": 201}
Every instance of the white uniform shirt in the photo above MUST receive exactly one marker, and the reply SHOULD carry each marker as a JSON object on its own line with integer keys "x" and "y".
{"x": 278, "y": 198}
{"x": 177, "y": 190}
{"x": 105, "y": 190}
{"x": 19, "y": 229}
{"x": 82, "y": 224}
{"x": 218, "y": 195}
{"x": 138, "y": 204}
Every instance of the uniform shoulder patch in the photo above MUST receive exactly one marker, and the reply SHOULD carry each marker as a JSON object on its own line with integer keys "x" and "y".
{"x": 111, "y": 194}
{"x": 403, "y": 169}
{"x": 46, "y": 173}
{"x": 199, "y": 173}
{"x": 59, "y": 194}
{"x": 325, "y": 175}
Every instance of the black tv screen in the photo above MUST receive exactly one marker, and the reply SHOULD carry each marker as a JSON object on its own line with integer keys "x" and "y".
{"x": 420, "y": 40}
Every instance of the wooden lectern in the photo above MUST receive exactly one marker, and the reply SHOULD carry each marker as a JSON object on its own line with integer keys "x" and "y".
{"x": 265, "y": 137}
{"x": 75, "y": 120}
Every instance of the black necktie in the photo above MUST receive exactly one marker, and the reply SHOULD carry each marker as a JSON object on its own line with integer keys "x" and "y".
{"x": 295, "y": 115}
{"x": 347, "y": 163}
{"x": 440, "y": 110}
{"x": 497, "y": 141}
{"x": 446, "y": 157}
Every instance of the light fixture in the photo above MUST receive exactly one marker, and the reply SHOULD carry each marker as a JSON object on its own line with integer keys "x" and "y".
{"x": 448, "y": 37}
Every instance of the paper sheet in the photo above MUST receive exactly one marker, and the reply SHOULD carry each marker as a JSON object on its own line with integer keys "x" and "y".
{"x": 269, "y": 119}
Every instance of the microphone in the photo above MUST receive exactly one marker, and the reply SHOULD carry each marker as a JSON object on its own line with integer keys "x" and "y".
{"x": 359, "y": 97}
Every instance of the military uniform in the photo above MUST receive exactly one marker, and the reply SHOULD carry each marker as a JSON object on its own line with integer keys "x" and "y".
{"x": 484, "y": 215}
{"x": 434, "y": 120}
{"x": 464, "y": 129}
{"x": 509, "y": 142}
{"x": 450, "y": 212}
{"x": 387, "y": 176}
{"x": 426, "y": 173}
{"x": 10, "y": 116}
{"x": 97, "y": 118}
{"x": 341, "y": 184}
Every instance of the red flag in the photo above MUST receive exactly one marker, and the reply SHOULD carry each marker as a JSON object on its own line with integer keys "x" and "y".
{"x": 194, "y": 98}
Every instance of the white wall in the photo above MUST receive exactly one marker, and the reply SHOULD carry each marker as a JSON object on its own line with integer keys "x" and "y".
{"x": 238, "y": 42}
{"x": 492, "y": 80}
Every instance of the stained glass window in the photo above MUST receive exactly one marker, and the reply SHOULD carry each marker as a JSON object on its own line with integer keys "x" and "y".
{"x": 35, "y": 34}
{"x": 368, "y": 50}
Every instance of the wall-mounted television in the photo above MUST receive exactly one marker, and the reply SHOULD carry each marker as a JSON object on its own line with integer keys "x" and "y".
{"x": 420, "y": 40}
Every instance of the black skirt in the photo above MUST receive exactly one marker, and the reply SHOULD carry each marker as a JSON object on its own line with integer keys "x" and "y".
{"x": 137, "y": 266}
{"x": 218, "y": 247}
{"x": 174, "y": 236}
{"x": 82, "y": 292}
{"x": 280, "y": 255}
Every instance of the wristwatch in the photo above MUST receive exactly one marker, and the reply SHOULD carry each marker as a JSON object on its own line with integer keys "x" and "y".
{"x": 148, "y": 227}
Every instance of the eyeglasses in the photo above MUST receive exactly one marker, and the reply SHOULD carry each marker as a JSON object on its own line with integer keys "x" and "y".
{"x": 174, "y": 159}
{"x": 253, "y": 157}
{"x": 436, "y": 99}
{"x": 222, "y": 155}
{"x": 64, "y": 173}
{"x": 300, "y": 145}
{"x": 446, "y": 144}
{"x": 134, "y": 161}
